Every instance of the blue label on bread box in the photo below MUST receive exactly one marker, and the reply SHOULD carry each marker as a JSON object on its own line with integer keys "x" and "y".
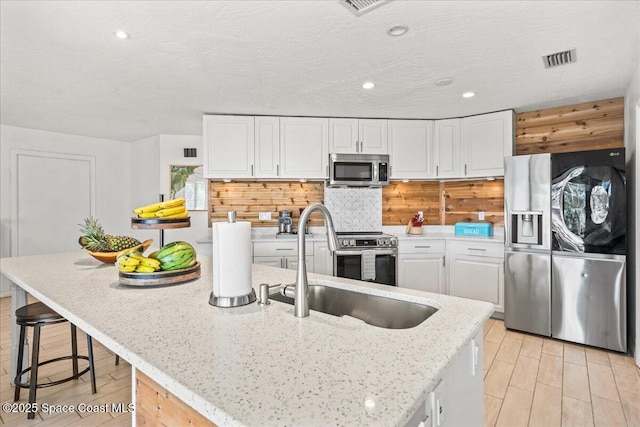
{"x": 480, "y": 229}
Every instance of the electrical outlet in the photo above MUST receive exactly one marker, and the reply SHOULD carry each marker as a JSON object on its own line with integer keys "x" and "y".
{"x": 264, "y": 216}
{"x": 480, "y": 215}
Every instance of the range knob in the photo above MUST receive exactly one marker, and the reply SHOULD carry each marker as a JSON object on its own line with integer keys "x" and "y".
{"x": 344, "y": 242}
{"x": 393, "y": 242}
{"x": 352, "y": 242}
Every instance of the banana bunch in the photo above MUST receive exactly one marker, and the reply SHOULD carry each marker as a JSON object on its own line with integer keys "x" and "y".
{"x": 134, "y": 261}
{"x": 170, "y": 209}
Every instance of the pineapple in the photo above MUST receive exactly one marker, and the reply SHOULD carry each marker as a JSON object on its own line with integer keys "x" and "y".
{"x": 95, "y": 239}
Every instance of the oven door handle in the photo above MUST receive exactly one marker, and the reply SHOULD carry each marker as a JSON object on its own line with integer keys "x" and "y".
{"x": 393, "y": 252}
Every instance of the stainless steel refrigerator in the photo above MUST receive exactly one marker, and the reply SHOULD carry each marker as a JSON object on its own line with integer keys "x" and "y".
{"x": 565, "y": 246}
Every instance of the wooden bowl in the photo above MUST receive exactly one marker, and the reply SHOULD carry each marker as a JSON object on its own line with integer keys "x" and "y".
{"x": 110, "y": 257}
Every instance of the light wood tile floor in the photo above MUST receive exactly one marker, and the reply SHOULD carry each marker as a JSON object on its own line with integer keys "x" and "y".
{"x": 529, "y": 381}
{"x": 113, "y": 382}
{"x": 534, "y": 381}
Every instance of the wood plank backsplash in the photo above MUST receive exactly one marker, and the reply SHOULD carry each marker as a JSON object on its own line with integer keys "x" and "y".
{"x": 443, "y": 203}
{"x": 248, "y": 198}
{"x": 462, "y": 200}
{"x": 588, "y": 126}
{"x": 402, "y": 200}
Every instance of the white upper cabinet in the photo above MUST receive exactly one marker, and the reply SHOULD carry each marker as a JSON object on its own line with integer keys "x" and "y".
{"x": 486, "y": 140}
{"x": 446, "y": 148}
{"x": 410, "y": 149}
{"x": 358, "y": 136}
{"x": 228, "y": 146}
{"x": 304, "y": 147}
{"x": 267, "y": 147}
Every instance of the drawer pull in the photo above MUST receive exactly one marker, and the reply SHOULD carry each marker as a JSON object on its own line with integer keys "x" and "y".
{"x": 422, "y": 247}
{"x": 477, "y": 249}
{"x": 284, "y": 249}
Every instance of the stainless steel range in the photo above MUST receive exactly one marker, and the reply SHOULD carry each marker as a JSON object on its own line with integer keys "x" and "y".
{"x": 367, "y": 256}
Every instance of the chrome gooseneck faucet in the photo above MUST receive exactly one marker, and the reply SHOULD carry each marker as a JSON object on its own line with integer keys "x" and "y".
{"x": 301, "y": 305}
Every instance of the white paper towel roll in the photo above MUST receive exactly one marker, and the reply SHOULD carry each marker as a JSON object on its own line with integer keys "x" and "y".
{"x": 231, "y": 259}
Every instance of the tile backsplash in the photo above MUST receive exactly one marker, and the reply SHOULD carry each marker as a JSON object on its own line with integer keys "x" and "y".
{"x": 355, "y": 209}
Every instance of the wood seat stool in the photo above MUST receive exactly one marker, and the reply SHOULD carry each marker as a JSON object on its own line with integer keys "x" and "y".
{"x": 37, "y": 315}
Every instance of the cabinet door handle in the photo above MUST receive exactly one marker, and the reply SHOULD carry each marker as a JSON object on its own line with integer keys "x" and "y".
{"x": 286, "y": 263}
{"x": 465, "y": 168}
{"x": 281, "y": 262}
{"x": 277, "y": 170}
{"x": 357, "y": 146}
{"x": 444, "y": 263}
{"x": 284, "y": 249}
{"x": 362, "y": 146}
{"x": 436, "y": 170}
{"x": 251, "y": 170}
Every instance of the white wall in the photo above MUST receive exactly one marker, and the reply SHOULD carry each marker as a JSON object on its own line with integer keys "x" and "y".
{"x": 632, "y": 144}
{"x": 172, "y": 153}
{"x": 145, "y": 187}
{"x": 112, "y": 180}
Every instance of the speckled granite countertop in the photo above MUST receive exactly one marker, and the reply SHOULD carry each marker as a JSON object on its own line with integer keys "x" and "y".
{"x": 257, "y": 365}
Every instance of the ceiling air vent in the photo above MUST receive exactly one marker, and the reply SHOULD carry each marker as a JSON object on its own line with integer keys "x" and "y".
{"x": 559, "y": 58}
{"x": 361, "y": 6}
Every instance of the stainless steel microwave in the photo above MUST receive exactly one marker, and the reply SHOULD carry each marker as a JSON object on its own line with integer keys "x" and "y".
{"x": 358, "y": 170}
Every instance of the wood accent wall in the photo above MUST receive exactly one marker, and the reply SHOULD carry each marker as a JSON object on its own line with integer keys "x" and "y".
{"x": 248, "y": 198}
{"x": 579, "y": 127}
{"x": 155, "y": 406}
{"x": 443, "y": 203}
{"x": 402, "y": 200}
{"x": 462, "y": 200}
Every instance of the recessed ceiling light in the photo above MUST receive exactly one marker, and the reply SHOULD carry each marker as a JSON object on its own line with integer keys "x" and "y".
{"x": 444, "y": 82}
{"x": 368, "y": 85}
{"x": 122, "y": 34}
{"x": 468, "y": 94}
{"x": 398, "y": 30}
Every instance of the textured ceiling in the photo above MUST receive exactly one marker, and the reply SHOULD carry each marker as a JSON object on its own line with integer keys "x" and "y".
{"x": 63, "y": 70}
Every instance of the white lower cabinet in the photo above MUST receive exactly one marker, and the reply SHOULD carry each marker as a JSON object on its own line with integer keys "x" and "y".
{"x": 322, "y": 259}
{"x": 281, "y": 254}
{"x": 421, "y": 265}
{"x": 457, "y": 399}
{"x": 476, "y": 271}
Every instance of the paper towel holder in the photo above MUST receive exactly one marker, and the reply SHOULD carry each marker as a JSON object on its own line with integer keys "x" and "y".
{"x": 227, "y": 302}
{"x": 232, "y": 301}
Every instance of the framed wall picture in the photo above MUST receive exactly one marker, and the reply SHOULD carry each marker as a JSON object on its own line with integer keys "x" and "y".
{"x": 187, "y": 181}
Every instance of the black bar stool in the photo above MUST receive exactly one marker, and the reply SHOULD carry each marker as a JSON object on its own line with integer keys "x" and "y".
{"x": 37, "y": 315}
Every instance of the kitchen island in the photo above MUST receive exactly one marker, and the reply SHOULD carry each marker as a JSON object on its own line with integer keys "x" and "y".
{"x": 260, "y": 365}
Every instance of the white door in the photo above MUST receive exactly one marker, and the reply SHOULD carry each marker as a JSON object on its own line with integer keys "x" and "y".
{"x": 322, "y": 259}
{"x": 480, "y": 278}
{"x": 228, "y": 146}
{"x": 373, "y": 136}
{"x": 267, "y": 147}
{"x": 60, "y": 187}
{"x": 486, "y": 140}
{"x": 446, "y": 148}
{"x": 304, "y": 145}
{"x": 291, "y": 262}
{"x": 343, "y": 135}
{"x": 410, "y": 149}
{"x": 423, "y": 272}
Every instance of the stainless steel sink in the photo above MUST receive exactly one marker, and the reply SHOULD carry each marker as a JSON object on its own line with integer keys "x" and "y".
{"x": 372, "y": 309}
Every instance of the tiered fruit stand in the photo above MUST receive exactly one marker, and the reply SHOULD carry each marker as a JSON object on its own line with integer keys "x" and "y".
{"x": 160, "y": 278}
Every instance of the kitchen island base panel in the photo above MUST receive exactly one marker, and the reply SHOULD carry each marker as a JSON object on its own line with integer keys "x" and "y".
{"x": 157, "y": 406}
